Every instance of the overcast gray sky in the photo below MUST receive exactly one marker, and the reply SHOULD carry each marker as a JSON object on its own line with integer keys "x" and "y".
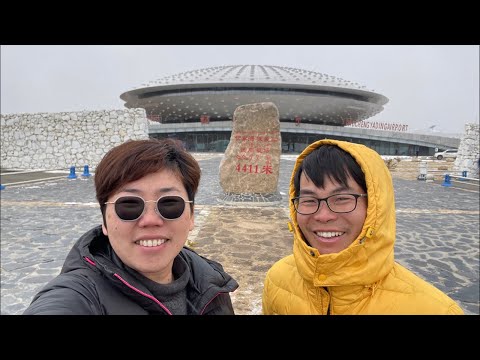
{"x": 426, "y": 84}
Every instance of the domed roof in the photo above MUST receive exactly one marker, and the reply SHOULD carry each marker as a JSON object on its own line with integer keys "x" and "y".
{"x": 217, "y": 91}
{"x": 254, "y": 74}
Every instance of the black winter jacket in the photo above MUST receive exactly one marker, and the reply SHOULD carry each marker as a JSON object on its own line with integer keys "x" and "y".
{"x": 90, "y": 283}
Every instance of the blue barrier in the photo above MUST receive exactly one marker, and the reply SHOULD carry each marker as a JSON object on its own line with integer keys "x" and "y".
{"x": 2, "y": 187}
{"x": 86, "y": 173}
{"x": 447, "y": 181}
{"x": 464, "y": 176}
{"x": 72, "y": 173}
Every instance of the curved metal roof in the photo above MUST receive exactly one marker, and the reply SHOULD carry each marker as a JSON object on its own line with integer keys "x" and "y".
{"x": 254, "y": 74}
{"x": 217, "y": 91}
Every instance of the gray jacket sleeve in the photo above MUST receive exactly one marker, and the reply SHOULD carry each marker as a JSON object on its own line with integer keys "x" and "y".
{"x": 67, "y": 294}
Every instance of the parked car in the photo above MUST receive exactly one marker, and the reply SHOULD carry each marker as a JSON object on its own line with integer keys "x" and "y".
{"x": 449, "y": 153}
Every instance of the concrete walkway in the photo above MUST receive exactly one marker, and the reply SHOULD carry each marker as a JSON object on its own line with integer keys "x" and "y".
{"x": 437, "y": 234}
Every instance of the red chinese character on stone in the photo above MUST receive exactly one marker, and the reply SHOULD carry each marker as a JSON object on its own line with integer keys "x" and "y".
{"x": 267, "y": 169}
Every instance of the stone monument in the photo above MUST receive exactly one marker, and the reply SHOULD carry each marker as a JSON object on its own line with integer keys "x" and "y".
{"x": 250, "y": 167}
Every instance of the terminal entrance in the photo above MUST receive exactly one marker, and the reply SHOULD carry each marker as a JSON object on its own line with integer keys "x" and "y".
{"x": 291, "y": 143}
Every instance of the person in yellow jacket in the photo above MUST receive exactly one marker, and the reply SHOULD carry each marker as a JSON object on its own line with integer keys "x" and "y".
{"x": 342, "y": 213}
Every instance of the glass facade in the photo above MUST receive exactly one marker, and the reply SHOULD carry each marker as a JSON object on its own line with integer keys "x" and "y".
{"x": 292, "y": 143}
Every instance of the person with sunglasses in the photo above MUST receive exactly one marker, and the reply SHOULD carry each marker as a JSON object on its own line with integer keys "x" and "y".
{"x": 136, "y": 262}
{"x": 342, "y": 213}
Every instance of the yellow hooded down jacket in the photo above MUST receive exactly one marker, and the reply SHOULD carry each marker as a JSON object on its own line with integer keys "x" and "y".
{"x": 362, "y": 279}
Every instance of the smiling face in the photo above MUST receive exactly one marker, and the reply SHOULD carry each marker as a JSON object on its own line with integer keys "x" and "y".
{"x": 325, "y": 230}
{"x": 150, "y": 244}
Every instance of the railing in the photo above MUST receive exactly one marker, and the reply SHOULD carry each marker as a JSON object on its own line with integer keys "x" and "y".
{"x": 461, "y": 181}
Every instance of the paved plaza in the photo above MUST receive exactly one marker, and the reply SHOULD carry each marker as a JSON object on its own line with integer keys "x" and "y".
{"x": 437, "y": 234}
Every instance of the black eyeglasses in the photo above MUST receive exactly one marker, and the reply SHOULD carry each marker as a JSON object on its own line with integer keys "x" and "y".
{"x": 131, "y": 208}
{"x": 338, "y": 203}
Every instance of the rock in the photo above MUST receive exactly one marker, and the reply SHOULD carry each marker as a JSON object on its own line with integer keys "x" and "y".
{"x": 251, "y": 163}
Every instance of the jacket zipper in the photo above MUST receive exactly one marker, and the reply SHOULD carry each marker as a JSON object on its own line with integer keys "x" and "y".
{"x": 156, "y": 300}
{"x": 208, "y": 303}
{"x": 329, "y": 300}
{"x": 134, "y": 288}
{"x": 144, "y": 294}
{"x": 149, "y": 296}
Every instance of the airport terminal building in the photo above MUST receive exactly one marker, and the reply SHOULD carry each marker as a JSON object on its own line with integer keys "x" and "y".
{"x": 197, "y": 108}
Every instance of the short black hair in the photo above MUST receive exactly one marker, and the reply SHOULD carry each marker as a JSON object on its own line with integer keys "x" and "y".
{"x": 329, "y": 161}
